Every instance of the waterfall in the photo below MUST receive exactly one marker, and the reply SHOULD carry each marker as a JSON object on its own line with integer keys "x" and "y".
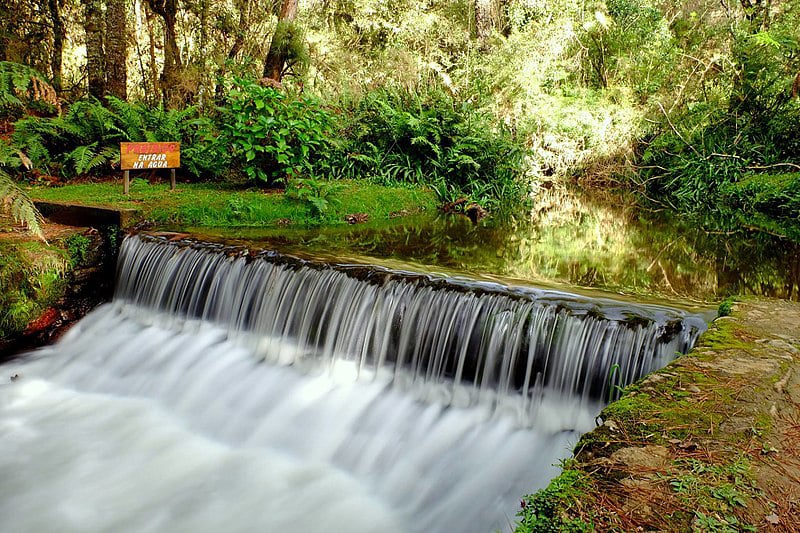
{"x": 473, "y": 337}
{"x": 230, "y": 390}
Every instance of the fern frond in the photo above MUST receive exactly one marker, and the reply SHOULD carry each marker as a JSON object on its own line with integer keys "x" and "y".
{"x": 110, "y": 155}
{"x": 82, "y": 158}
{"x": 130, "y": 119}
{"x": 16, "y": 203}
{"x": 21, "y": 85}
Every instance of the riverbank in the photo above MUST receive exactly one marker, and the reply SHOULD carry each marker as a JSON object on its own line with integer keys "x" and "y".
{"x": 709, "y": 443}
{"x": 224, "y": 205}
{"x": 46, "y": 287}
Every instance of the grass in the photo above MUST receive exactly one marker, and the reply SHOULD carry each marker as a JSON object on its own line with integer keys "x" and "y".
{"x": 214, "y": 204}
{"x": 543, "y": 510}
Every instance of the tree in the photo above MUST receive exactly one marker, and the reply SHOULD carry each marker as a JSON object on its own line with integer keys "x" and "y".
{"x": 489, "y": 18}
{"x": 484, "y": 20}
{"x": 59, "y": 36}
{"x": 281, "y": 40}
{"x": 173, "y": 66}
{"x": 116, "y": 49}
{"x": 94, "y": 25}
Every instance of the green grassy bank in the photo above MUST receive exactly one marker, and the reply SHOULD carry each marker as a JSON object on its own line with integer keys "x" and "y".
{"x": 309, "y": 202}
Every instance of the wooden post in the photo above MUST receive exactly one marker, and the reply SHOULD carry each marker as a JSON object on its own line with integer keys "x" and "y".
{"x": 126, "y": 182}
{"x": 172, "y": 179}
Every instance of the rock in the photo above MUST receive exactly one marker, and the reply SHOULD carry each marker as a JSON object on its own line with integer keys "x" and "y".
{"x": 783, "y": 345}
{"x": 476, "y": 213}
{"x": 652, "y": 458}
{"x": 780, "y": 386}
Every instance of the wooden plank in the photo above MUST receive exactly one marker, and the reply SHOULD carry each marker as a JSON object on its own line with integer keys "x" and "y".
{"x": 144, "y": 156}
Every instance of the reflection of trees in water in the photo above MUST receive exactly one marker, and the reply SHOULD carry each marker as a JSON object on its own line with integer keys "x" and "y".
{"x": 770, "y": 268}
{"x": 606, "y": 243}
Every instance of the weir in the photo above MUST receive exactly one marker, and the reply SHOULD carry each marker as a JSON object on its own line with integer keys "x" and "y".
{"x": 238, "y": 390}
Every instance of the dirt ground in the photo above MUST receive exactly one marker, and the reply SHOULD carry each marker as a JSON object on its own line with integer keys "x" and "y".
{"x": 12, "y": 232}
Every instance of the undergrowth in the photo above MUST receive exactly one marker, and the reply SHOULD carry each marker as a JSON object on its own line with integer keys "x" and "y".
{"x": 545, "y": 511}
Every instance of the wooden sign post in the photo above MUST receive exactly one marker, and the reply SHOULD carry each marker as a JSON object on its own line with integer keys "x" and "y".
{"x": 148, "y": 156}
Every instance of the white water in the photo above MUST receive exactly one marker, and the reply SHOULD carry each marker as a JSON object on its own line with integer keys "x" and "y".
{"x": 221, "y": 394}
{"x": 153, "y": 430}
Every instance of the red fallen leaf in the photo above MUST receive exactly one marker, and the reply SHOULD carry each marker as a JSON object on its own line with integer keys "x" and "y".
{"x": 49, "y": 317}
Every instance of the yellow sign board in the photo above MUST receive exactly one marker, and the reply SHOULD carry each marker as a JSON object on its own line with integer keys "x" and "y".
{"x": 144, "y": 156}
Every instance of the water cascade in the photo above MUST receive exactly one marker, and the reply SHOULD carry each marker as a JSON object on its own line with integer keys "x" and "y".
{"x": 230, "y": 390}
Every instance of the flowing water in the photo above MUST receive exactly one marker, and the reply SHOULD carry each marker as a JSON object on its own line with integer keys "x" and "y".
{"x": 228, "y": 390}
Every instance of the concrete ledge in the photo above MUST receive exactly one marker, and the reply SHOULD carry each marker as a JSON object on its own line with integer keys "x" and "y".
{"x": 82, "y": 215}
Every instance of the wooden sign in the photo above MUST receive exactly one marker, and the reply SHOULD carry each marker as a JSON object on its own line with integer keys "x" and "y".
{"x": 144, "y": 156}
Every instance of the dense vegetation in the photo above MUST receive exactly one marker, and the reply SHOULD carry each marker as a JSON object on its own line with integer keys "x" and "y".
{"x": 695, "y": 105}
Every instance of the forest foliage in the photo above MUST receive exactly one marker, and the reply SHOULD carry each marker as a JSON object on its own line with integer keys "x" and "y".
{"x": 694, "y": 104}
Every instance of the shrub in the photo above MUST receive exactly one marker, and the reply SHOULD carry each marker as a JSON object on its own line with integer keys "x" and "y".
{"x": 747, "y": 122}
{"x": 628, "y": 42}
{"x": 275, "y": 137}
{"x": 397, "y": 136}
{"x": 86, "y": 139}
{"x": 776, "y": 195}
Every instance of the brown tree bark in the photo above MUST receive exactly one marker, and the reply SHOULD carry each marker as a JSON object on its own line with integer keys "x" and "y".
{"x": 276, "y": 56}
{"x": 59, "y": 36}
{"x": 484, "y": 23}
{"x": 116, "y": 49}
{"x": 93, "y": 25}
{"x": 489, "y": 17}
{"x": 173, "y": 66}
{"x": 148, "y": 16}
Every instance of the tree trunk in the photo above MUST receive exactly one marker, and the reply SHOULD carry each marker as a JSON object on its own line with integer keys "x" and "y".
{"x": 173, "y": 67}
{"x": 484, "y": 23}
{"x": 116, "y": 49}
{"x": 489, "y": 18}
{"x": 59, "y": 36}
{"x": 148, "y": 17}
{"x": 95, "y": 56}
{"x": 276, "y": 57}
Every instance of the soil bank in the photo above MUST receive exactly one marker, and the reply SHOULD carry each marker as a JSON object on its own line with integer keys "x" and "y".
{"x": 45, "y": 287}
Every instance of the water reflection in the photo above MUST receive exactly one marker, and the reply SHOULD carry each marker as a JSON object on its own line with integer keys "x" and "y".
{"x": 569, "y": 239}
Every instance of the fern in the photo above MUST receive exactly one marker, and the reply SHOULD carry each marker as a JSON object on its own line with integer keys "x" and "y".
{"x": 81, "y": 157}
{"x": 86, "y": 158}
{"x": 130, "y": 120}
{"x": 21, "y": 86}
{"x": 13, "y": 200}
